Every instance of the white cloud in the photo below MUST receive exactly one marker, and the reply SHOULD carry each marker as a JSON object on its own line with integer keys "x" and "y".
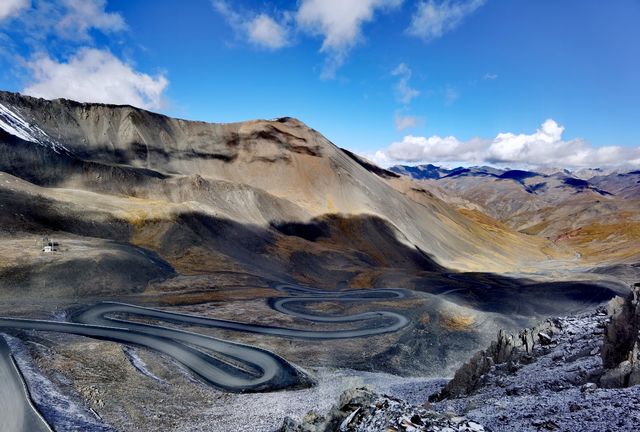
{"x": 65, "y": 19}
{"x": 544, "y": 147}
{"x": 380, "y": 158}
{"x": 93, "y": 75}
{"x": 435, "y": 148}
{"x": 339, "y": 23}
{"x": 404, "y": 92}
{"x": 432, "y": 20}
{"x": 81, "y": 16}
{"x": 490, "y": 76}
{"x": 258, "y": 29}
{"x": 89, "y": 74}
{"x": 11, "y": 8}
{"x": 406, "y": 121}
{"x": 263, "y": 30}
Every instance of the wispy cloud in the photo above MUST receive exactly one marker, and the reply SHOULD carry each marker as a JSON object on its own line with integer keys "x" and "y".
{"x": 544, "y": 147}
{"x": 69, "y": 20}
{"x": 80, "y": 16}
{"x": 403, "y": 122}
{"x": 11, "y": 8}
{"x": 490, "y": 76}
{"x": 451, "y": 94}
{"x": 404, "y": 92}
{"x": 265, "y": 31}
{"x": 404, "y": 95}
{"x": 93, "y": 75}
{"x": 433, "y": 19}
{"x": 259, "y": 29}
{"x": 339, "y": 23}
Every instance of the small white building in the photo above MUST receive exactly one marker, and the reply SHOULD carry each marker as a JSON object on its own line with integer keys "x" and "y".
{"x": 49, "y": 245}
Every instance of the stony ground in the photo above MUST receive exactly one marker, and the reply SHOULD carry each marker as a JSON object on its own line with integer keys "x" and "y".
{"x": 553, "y": 387}
{"x": 557, "y": 390}
{"x": 361, "y": 410}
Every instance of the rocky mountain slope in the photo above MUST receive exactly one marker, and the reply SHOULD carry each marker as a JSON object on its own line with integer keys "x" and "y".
{"x": 573, "y": 373}
{"x": 188, "y": 191}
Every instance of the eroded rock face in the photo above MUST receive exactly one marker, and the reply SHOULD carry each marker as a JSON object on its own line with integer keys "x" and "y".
{"x": 621, "y": 349}
{"x": 507, "y": 349}
{"x": 361, "y": 410}
{"x": 556, "y": 386}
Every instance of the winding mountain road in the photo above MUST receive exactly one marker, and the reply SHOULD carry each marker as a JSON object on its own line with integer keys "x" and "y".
{"x": 231, "y": 366}
{"x": 16, "y": 411}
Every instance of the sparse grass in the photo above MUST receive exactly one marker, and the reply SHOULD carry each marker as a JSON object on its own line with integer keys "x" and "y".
{"x": 213, "y": 296}
{"x": 364, "y": 279}
{"x": 424, "y": 319}
{"x": 603, "y": 241}
{"x": 457, "y": 322}
{"x": 486, "y": 222}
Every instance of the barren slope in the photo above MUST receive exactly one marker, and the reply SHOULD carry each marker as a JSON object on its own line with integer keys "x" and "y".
{"x": 257, "y": 173}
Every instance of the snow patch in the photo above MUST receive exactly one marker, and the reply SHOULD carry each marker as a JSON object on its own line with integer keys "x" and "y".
{"x": 15, "y": 125}
{"x": 139, "y": 364}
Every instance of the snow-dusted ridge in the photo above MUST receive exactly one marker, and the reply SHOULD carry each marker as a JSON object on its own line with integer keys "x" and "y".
{"x": 15, "y": 125}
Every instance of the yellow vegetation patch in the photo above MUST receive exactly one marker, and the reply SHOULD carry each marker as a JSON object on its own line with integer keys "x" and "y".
{"x": 212, "y": 296}
{"x": 607, "y": 241}
{"x": 623, "y": 230}
{"x": 331, "y": 207}
{"x": 139, "y": 215}
{"x": 198, "y": 261}
{"x": 536, "y": 229}
{"x": 457, "y": 322}
{"x": 406, "y": 304}
{"x": 364, "y": 279}
{"x": 486, "y": 222}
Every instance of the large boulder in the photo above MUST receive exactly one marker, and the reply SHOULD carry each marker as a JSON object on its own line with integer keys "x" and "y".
{"x": 621, "y": 349}
{"x": 361, "y": 410}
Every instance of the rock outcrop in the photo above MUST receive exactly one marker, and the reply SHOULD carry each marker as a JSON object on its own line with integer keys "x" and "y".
{"x": 621, "y": 349}
{"x": 578, "y": 372}
{"x": 361, "y": 410}
{"x": 507, "y": 349}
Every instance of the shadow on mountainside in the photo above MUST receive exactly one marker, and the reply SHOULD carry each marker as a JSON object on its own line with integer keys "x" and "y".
{"x": 330, "y": 251}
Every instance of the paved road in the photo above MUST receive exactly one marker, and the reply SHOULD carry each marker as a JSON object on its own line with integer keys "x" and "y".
{"x": 227, "y": 365}
{"x": 17, "y": 414}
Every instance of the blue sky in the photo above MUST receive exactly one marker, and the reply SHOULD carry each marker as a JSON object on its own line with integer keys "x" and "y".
{"x": 397, "y": 81}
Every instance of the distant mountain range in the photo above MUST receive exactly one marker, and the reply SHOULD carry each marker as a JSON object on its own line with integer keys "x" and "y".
{"x": 430, "y": 171}
{"x": 595, "y": 211}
